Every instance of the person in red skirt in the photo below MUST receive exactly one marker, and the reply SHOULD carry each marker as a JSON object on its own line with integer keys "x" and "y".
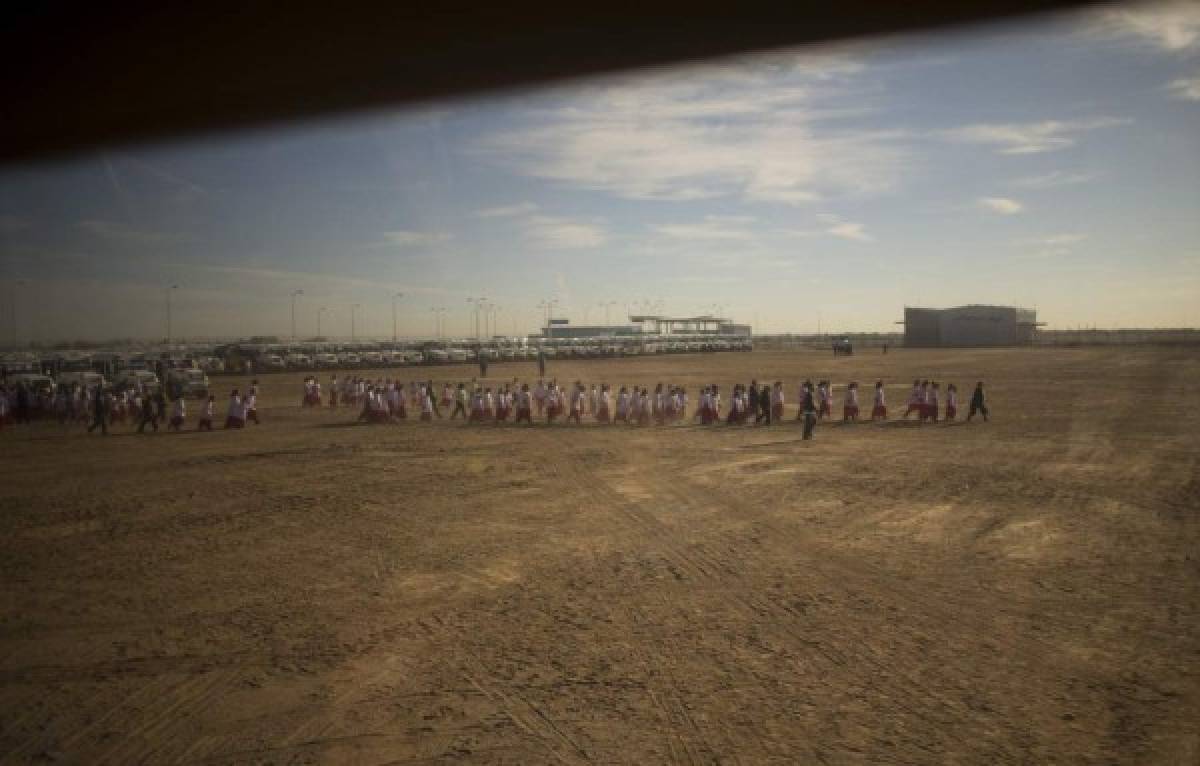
{"x": 604, "y": 405}
{"x": 207, "y": 411}
{"x": 524, "y": 405}
{"x": 178, "y": 413}
{"x": 578, "y": 395}
{"x": 879, "y": 410}
{"x": 951, "y": 402}
{"x": 235, "y": 414}
{"x": 850, "y": 405}
{"x": 916, "y": 399}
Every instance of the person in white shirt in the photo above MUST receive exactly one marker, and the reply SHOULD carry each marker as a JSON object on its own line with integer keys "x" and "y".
{"x": 426, "y": 404}
{"x": 951, "y": 402}
{"x": 178, "y": 413}
{"x": 777, "y": 402}
{"x": 577, "y": 398}
{"x": 477, "y": 409}
{"x": 916, "y": 400}
{"x": 879, "y": 410}
{"x": 251, "y": 404}
{"x": 235, "y": 413}
{"x": 524, "y": 405}
{"x": 931, "y": 407}
{"x": 850, "y": 405}
{"x": 604, "y": 406}
{"x": 539, "y": 396}
{"x": 207, "y": 412}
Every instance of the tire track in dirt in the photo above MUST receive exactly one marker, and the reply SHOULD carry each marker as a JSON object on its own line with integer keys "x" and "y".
{"x": 519, "y": 709}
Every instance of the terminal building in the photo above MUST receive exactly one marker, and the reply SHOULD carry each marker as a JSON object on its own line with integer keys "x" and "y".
{"x": 973, "y": 325}
{"x": 651, "y": 325}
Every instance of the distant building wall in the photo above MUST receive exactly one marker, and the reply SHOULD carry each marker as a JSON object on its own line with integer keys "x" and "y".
{"x": 922, "y": 327}
{"x": 969, "y": 326}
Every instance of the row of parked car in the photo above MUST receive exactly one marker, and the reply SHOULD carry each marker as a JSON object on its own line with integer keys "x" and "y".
{"x": 189, "y": 382}
{"x": 301, "y": 360}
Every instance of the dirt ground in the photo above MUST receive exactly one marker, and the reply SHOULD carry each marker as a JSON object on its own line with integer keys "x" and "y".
{"x": 1021, "y": 591}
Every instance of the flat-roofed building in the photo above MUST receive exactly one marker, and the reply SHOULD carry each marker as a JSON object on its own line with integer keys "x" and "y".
{"x": 974, "y": 325}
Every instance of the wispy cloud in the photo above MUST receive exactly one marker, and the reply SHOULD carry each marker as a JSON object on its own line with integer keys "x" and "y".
{"x": 1029, "y": 137}
{"x": 405, "y": 238}
{"x": 1168, "y": 26}
{"x": 1001, "y": 205}
{"x": 554, "y": 233}
{"x": 1053, "y": 179}
{"x": 710, "y": 228}
{"x": 753, "y": 130}
{"x": 1051, "y": 246}
{"x": 1185, "y": 88}
{"x": 507, "y": 211}
{"x": 844, "y": 229}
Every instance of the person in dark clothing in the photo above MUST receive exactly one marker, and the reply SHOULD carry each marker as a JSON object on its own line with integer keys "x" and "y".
{"x": 483, "y": 363}
{"x": 808, "y": 407}
{"x": 752, "y": 400}
{"x": 764, "y": 405}
{"x": 541, "y": 363}
{"x": 460, "y": 402}
{"x": 148, "y": 416}
{"x": 160, "y": 407}
{"x": 100, "y": 413}
{"x": 977, "y": 403}
{"x": 21, "y": 411}
{"x": 433, "y": 398}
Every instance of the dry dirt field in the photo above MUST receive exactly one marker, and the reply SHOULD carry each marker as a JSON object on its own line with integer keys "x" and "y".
{"x": 1022, "y": 591}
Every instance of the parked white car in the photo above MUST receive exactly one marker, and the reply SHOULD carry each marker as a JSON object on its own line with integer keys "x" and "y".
{"x": 299, "y": 361}
{"x": 349, "y": 359}
{"x": 271, "y": 362}
{"x": 143, "y": 380}
{"x": 81, "y": 377}
{"x": 326, "y": 360}
{"x": 372, "y": 358}
{"x": 191, "y": 382}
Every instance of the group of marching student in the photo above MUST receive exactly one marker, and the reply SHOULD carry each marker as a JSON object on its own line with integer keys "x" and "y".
{"x": 101, "y": 407}
{"x": 384, "y": 401}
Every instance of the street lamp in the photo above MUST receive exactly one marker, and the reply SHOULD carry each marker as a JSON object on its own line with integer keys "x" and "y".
{"x": 438, "y": 311}
{"x": 394, "y": 297}
{"x": 479, "y": 304}
{"x": 294, "y": 294}
{"x": 320, "y": 311}
{"x": 169, "y": 289}
{"x": 353, "y": 308}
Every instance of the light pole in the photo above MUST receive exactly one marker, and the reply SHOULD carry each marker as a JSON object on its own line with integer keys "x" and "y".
{"x": 353, "y": 309}
{"x": 494, "y": 310}
{"x": 394, "y": 297}
{"x": 294, "y": 294}
{"x": 169, "y": 289}
{"x": 478, "y": 303}
{"x": 320, "y": 311}
{"x": 438, "y": 311}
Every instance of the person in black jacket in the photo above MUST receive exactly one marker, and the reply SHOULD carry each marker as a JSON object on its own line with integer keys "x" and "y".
{"x": 977, "y": 403}
{"x": 752, "y": 400}
{"x": 148, "y": 415}
{"x": 764, "y": 404}
{"x": 808, "y": 407}
{"x": 100, "y": 413}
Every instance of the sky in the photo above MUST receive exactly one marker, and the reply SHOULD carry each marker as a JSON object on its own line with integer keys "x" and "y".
{"x": 1054, "y": 164}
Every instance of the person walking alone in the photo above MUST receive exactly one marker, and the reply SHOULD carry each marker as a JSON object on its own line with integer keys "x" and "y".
{"x": 808, "y": 408}
{"x": 977, "y": 403}
{"x": 100, "y": 413}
